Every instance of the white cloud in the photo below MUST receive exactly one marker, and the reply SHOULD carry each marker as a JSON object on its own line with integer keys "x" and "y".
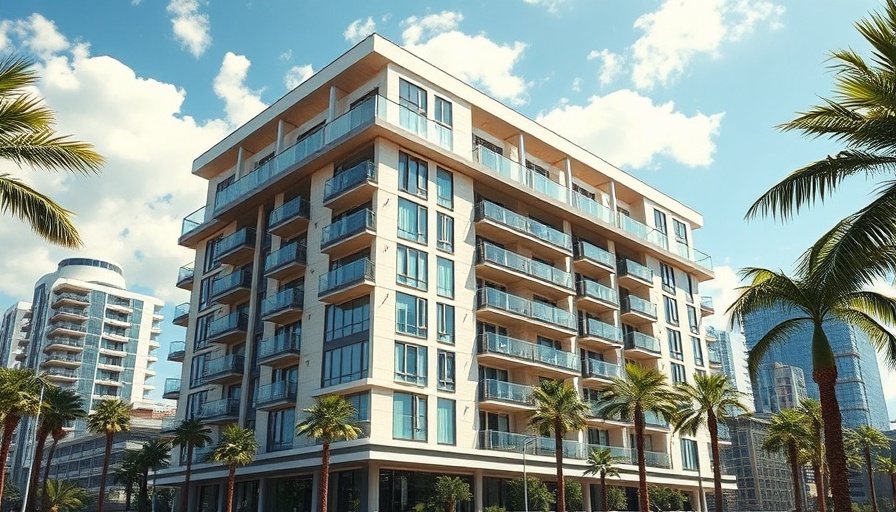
{"x": 628, "y": 129}
{"x": 240, "y": 102}
{"x": 681, "y": 30}
{"x": 550, "y": 5}
{"x": 191, "y": 27}
{"x": 285, "y": 56}
{"x": 577, "y": 84}
{"x": 39, "y": 35}
{"x": 474, "y": 59}
{"x": 611, "y": 64}
{"x": 296, "y": 75}
{"x": 359, "y": 29}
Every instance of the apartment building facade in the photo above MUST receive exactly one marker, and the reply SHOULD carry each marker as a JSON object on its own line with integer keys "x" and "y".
{"x": 14, "y": 333}
{"x": 388, "y": 233}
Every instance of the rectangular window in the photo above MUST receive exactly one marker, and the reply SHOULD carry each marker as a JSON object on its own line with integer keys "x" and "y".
{"x": 446, "y": 421}
{"x": 693, "y": 322}
{"x": 446, "y": 232}
{"x": 444, "y": 188}
{"x": 361, "y": 403}
{"x": 209, "y": 260}
{"x": 413, "y": 175}
{"x": 689, "y": 288}
{"x": 446, "y": 370}
{"x": 201, "y": 335}
{"x": 678, "y": 373}
{"x": 445, "y": 277}
{"x": 410, "y": 315}
{"x": 348, "y": 318}
{"x": 411, "y": 221}
{"x": 410, "y": 364}
{"x": 408, "y": 417}
{"x": 671, "y": 310}
{"x": 281, "y": 429}
{"x": 668, "y": 275}
{"x": 697, "y": 347}
{"x": 443, "y": 112}
{"x": 681, "y": 231}
{"x": 659, "y": 221}
{"x": 194, "y": 402}
{"x": 689, "y": 459}
{"x": 675, "y": 349}
{"x": 445, "y": 322}
{"x": 345, "y": 364}
{"x": 411, "y": 267}
{"x": 599, "y": 436}
{"x": 412, "y": 97}
{"x": 205, "y": 292}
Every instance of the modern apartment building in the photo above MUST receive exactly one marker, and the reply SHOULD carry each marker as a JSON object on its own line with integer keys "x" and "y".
{"x": 763, "y": 478}
{"x": 14, "y": 334}
{"x": 778, "y": 386}
{"x": 388, "y": 233}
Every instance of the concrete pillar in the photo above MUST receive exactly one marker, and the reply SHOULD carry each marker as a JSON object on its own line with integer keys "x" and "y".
{"x": 315, "y": 490}
{"x": 586, "y": 495}
{"x": 478, "y": 489}
{"x": 281, "y": 131}
{"x": 568, "y": 168}
{"x": 613, "y": 199}
{"x": 373, "y": 486}
{"x": 521, "y": 143}
{"x": 331, "y": 109}
{"x": 239, "y": 163}
{"x": 262, "y": 494}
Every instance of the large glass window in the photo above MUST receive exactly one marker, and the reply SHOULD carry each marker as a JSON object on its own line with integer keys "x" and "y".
{"x": 693, "y": 322}
{"x": 445, "y": 188}
{"x": 409, "y": 417}
{"x": 411, "y": 267}
{"x": 445, "y": 322}
{"x": 681, "y": 231}
{"x": 410, "y": 315}
{"x": 679, "y": 374}
{"x": 659, "y": 221}
{"x": 675, "y": 349}
{"x": 689, "y": 455}
{"x": 348, "y": 318}
{"x": 671, "y": 307}
{"x": 443, "y": 112}
{"x": 412, "y": 97}
{"x": 281, "y": 429}
{"x": 445, "y": 228}
{"x": 697, "y": 347}
{"x": 668, "y": 275}
{"x": 446, "y": 421}
{"x": 410, "y": 363}
{"x": 411, "y": 221}
{"x": 412, "y": 175}
{"x": 445, "y": 277}
{"x": 446, "y": 370}
{"x": 361, "y": 403}
{"x": 345, "y": 364}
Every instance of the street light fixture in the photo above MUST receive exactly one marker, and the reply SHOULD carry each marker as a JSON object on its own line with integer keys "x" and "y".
{"x": 529, "y": 440}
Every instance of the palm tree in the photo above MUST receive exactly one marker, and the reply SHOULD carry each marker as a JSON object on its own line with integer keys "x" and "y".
{"x": 19, "y": 396}
{"x": 329, "y": 420}
{"x": 888, "y": 466}
{"x": 190, "y": 434}
{"x": 788, "y": 431}
{"x": 642, "y": 390}
{"x": 602, "y": 463}
{"x": 450, "y": 490}
{"x": 864, "y": 440}
{"x": 813, "y": 300}
{"x": 128, "y": 475}
{"x": 811, "y": 411}
{"x": 59, "y": 408}
{"x": 109, "y": 417}
{"x": 558, "y": 410}
{"x": 237, "y": 447}
{"x": 27, "y": 139}
{"x": 64, "y": 496}
{"x": 154, "y": 454}
{"x": 709, "y": 401}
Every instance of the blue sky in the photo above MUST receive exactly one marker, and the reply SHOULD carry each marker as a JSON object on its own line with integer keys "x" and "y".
{"x": 684, "y": 95}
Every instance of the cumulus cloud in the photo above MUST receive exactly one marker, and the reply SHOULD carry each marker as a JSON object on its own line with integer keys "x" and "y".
{"x": 611, "y": 64}
{"x": 190, "y": 26}
{"x": 474, "y": 59}
{"x": 240, "y": 102}
{"x": 628, "y": 129}
{"x": 359, "y": 29}
{"x": 296, "y": 75}
{"x": 38, "y": 34}
{"x": 550, "y": 5}
{"x": 679, "y": 31}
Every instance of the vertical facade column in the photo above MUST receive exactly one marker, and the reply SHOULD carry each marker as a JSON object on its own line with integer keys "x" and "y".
{"x": 373, "y": 486}
{"x": 613, "y": 199}
{"x": 586, "y": 495}
{"x": 478, "y": 489}
{"x": 315, "y": 490}
{"x": 281, "y": 128}
{"x": 331, "y": 109}
{"x": 567, "y": 164}
{"x": 262, "y": 494}
{"x": 239, "y": 163}
{"x": 521, "y": 143}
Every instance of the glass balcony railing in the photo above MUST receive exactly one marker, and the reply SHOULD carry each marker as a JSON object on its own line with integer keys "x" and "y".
{"x": 185, "y": 273}
{"x": 587, "y": 251}
{"x": 639, "y": 341}
{"x": 600, "y": 369}
{"x": 292, "y": 209}
{"x": 714, "y": 357}
{"x": 244, "y": 237}
{"x": 170, "y": 424}
{"x": 231, "y": 363}
{"x": 177, "y": 350}
{"x": 520, "y": 174}
{"x": 416, "y": 123}
{"x": 347, "y": 226}
{"x": 635, "y": 304}
{"x": 706, "y": 303}
{"x": 491, "y": 389}
{"x": 181, "y": 310}
{"x": 490, "y": 253}
{"x": 355, "y": 272}
{"x": 591, "y": 207}
{"x": 172, "y": 386}
{"x": 193, "y": 221}
{"x": 69, "y": 326}
{"x": 653, "y": 419}
{"x": 491, "y": 343}
{"x": 652, "y": 459}
{"x": 66, "y": 340}
{"x": 493, "y": 298}
{"x": 289, "y": 253}
{"x": 595, "y": 290}
{"x": 283, "y": 391}
{"x": 231, "y": 322}
{"x": 627, "y": 267}
{"x": 230, "y": 282}
{"x": 79, "y": 312}
{"x": 522, "y": 224}
{"x": 643, "y": 231}
{"x": 284, "y": 343}
{"x": 363, "y": 172}
{"x": 592, "y": 327}
{"x": 219, "y": 408}
{"x": 286, "y": 299}
{"x": 545, "y": 446}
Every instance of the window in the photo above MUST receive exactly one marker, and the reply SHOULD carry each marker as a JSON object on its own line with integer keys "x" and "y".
{"x": 446, "y": 370}
{"x": 689, "y": 459}
{"x": 348, "y": 318}
{"x": 209, "y": 260}
{"x": 442, "y": 112}
{"x": 678, "y": 373}
{"x": 202, "y": 323}
{"x": 205, "y": 292}
{"x": 689, "y": 289}
{"x": 410, "y": 315}
{"x": 412, "y": 175}
{"x": 675, "y": 350}
{"x": 659, "y": 221}
{"x": 693, "y": 323}
{"x": 445, "y": 227}
{"x": 410, "y": 364}
{"x": 492, "y": 421}
{"x": 697, "y": 347}
{"x": 412, "y": 97}
{"x": 445, "y": 321}
{"x": 408, "y": 417}
{"x": 681, "y": 231}
{"x": 411, "y": 268}
{"x": 361, "y": 403}
{"x": 345, "y": 364}
{"x": 445, "y": 277}
{"x": 445, "y": 418}
{"x": 668, "y": 274}
{"x": 599, "y": 436}
{"x": 411, "y": 221}
{"x": 281, "y": 429}
{"x": 194, "y": 402}
{"x": 671, "y": 310}
{"x": 445, "y": 188}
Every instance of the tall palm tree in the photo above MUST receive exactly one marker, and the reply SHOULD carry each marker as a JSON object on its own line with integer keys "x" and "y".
{"x": 64, "y": 496}
{"x": 190, "y": 434}
{"x": 888, "y": 466}
{"x": 154, "y": 454}
{"x": 810, "y": 408}
{"x": 602, "y": 463}
{"x": 864, "y": 440}
{"x": 19, "y": 396}
{"x": 812, "y": 300}
{"x": 787, "y": 431}
{"x": 329, "y": 420}
{"x": 60, "y": 407}
{"x": 710, "y": 400}
{"x": 237, "y": 447}
{"x": 558, "y": 410}
{"x": 450, "y": 490}
{"x": 109, "y": 417}
{"x": 642, "y": 390}
{"x": 128, "y": 475}
{"x": 28, "y": 139}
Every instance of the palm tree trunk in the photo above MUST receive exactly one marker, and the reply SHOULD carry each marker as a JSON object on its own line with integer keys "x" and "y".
{"x": 826, "y": 378}
{"x": 793, "y": 458}
{"x": 36, "y": 461}
{"x": 44, "y": 497}
{"x": 643, "y": 498}
{"x": 867, "y": 452}
{"x": 102, "y": 497}
{"x": 558, "y": 457}
{"x": 324, "y": 477}
{"x": 143, "y": 500}
{"x": 820, "y": 492}
{"x": 451, "y": 504}
{"x": 9, "y": 427}
{"x": 231, "y": 478}
{"x": 893, "y": 486}
{"x": 128, "y": 489}
{"x": 713, "y": 424}
{"x": 604, "y": 502}
{"x": 185, "y": 494}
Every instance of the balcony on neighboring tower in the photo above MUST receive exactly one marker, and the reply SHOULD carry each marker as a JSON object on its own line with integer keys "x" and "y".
{"x": 351, "y": 186}
{"x": 287, "y": 262}
{"x": 290, "y": 219}
{"x": 236, "y": 248}
{"x": 349, "y": 234}
{"x": 346, "y": 282}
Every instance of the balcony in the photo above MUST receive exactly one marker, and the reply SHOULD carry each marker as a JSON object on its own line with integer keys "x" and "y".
{"x": 641, "y": 346}
{"x": 715, "y": 359}
{"x": 653, "y": 421}
{"x": 61, "y": 375}
{"x": 541, "y": 446}
{"x": 596, "y": 413}
{"x": 69, "y": 314}
{"x": 706, "y": 306}
{"x": 349, "y": 234}
{"x": 346, "y": 282}
{"x": 500, "y": 265}
{"x": 636, "y": 310}
{"x": 494, "y": 305}
{"x": 652, "y": 459}
{"x": 689, "y": 253}
{"x": 70, "y": 299}
{"x": 350, "y": 187}
{"x": 232, "y": 288}
{"x": 201, "y": 455}
{"x": 284, "y": 307}
{"x": 520, "y": 174}
{"x": 61, "y": 359}
{"x": 218, "y": 412}
{"x": 190, "y": 225}
{"x": 600, "y": 370}
{"x": 228, "y": 329}
{"x": 504, "y": 396}
{"x": 181, "y": 314}
{"x": 172, "y": 389}
{"x": 185, "y": 277}
{"x": 632, "y": 274}
{"x": 177, "y": 351}
{"x": 169, "y": 425}
{"x": 287, "y": 262}
{"x": 237, "y": 248}
{"x": 513, "y": 352}
{"x": 595, "y": 296}
{"x": 591, "y": 208}
{"x": 224, "y": 370}
{"x": 282, "y": 350}
{"x": 593, "y": 260}
{"x": 507, "y": 227}
{"x": 278, "y": 395}
{"x": 290, "y": 219}
{"x": 643, "y": 232}
{"x": 599, "y": 333}
{"x": 69, "y": 343}
{"x": 67, "y": 329}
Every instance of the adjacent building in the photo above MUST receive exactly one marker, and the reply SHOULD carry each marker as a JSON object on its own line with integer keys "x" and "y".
{"x": 732, "y": 355}
{"x": 763, "y": 478}
{"x": 778, "y": 386}
{"x": 14, "y": 334}
{"x": 387, "y": 233}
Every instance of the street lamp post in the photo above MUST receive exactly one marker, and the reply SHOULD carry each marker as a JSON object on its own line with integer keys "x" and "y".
{"x": 154, "y": 473}
{"x": 526, "y": 443}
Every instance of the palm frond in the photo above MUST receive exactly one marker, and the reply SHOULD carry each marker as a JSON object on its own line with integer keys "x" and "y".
{"x": 776, "y": 335}
{"x": 24, "y": 114}
{"x": 878, "y": 334}
{"x": 46, "y": 150}
{"x": 49, "y": 220}
{"x": 16, "y": 73}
